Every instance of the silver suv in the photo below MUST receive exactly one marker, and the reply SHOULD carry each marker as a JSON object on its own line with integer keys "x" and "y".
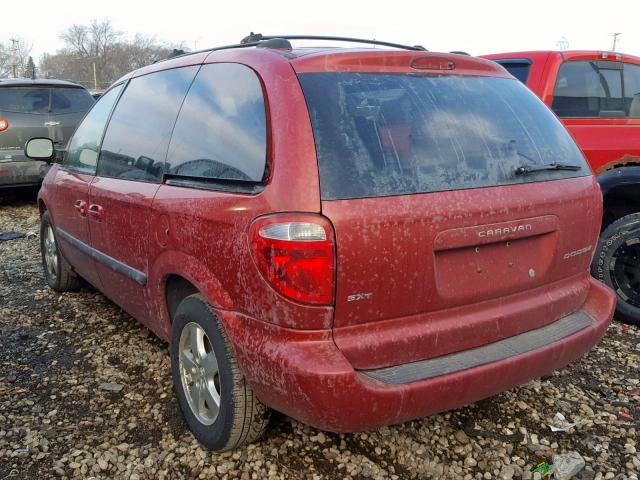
{"x": 35, "y": 108}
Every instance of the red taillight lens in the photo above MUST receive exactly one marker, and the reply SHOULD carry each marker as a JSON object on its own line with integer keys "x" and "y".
{"x": 296, "y": 255}
{"x": 4, "y": 124}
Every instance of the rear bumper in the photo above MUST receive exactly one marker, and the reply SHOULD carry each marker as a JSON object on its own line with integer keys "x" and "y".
{"x": 15, "y": 173}
{"x": 304, "y": 374}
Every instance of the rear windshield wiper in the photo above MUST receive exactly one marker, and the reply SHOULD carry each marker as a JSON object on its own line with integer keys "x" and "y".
{"x": 526, "y": 169}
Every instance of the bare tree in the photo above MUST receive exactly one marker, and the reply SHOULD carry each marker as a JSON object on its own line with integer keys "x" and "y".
{"x": 99, "y": 48}
{"x": 15, "y": 50}
{"x": 104, "y": 37}
{"x": 76, "y": 39}
{"x": 93, "y": 40}
{"x": 5, "y": 61}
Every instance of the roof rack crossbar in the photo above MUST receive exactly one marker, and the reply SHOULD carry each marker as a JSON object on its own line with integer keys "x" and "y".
{"x": 257, "y": 36}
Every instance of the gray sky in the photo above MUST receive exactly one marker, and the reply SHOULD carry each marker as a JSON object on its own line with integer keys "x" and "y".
{"x": 478, "y": 27}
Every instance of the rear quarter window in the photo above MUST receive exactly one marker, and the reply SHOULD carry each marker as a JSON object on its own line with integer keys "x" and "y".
{"x": 518, "y": 68}
{"x": 221, "y": 130}
{"x": 394, "y": 134}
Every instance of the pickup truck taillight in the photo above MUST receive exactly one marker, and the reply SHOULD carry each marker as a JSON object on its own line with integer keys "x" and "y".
{"x": 4, "y": 124}
{"x": 295, "y": 253}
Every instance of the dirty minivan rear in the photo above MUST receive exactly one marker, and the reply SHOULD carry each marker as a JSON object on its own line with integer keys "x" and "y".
{"x": 353, "y": 237}
{"x": 464, "y": 219}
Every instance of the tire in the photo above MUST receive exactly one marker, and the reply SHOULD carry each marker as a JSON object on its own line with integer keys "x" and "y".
{"x": 241, "y": 418}
{"x": 57, "y": 271}
{"x": 616, "y": 263}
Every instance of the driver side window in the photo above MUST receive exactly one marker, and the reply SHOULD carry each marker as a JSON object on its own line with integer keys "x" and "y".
{"x": 82, "y": 153}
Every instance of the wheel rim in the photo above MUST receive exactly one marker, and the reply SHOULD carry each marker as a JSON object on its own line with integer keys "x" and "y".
{"x": 199, "y": 373}
{"x": 50, "y": 252}
{"x": 625, "y": 272}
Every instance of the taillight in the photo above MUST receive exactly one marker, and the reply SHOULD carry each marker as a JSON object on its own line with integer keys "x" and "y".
{"x": 4, "y": 124}
{"x": 295, "y": 253}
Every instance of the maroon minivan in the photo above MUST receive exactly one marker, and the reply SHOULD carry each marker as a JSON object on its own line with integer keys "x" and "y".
{"x": 354, "y": 237}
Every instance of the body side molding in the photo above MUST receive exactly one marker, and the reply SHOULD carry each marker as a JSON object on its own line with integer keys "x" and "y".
{"x": 112, "y": 263}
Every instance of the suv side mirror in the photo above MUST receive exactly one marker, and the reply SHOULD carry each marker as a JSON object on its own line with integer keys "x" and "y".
{"x": 40, "y": 149}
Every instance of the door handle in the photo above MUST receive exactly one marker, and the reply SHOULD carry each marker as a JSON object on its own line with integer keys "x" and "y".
{"x": 96, "y": 211}
{"x": 81, "y": 206}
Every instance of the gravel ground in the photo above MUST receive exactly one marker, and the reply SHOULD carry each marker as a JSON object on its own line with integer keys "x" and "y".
{"x": 86, "y": 392}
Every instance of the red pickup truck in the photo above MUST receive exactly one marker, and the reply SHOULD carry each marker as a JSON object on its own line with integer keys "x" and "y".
{"x": 596, "y": 95}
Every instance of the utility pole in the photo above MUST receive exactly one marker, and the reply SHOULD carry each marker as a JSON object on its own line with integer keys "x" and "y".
{"x": 14, "y": 57}
{"x": 615, "y": 38}
{"x": 563, "y": 43}
{"x": 95, "y": 77}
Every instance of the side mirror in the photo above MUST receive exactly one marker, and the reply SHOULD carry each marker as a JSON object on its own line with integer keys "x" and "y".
{"x": 40, "y": 149}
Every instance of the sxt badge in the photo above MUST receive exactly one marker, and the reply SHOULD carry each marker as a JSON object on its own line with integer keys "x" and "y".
{"x": 359, "y": 296}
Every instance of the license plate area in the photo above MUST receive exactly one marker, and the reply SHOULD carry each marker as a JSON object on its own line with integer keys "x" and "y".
{"x": 480, "y": 262}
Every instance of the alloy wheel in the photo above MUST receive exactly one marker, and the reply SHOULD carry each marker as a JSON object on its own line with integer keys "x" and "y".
{"x": 50, "y": 252}
{"x": 199, "y": 373}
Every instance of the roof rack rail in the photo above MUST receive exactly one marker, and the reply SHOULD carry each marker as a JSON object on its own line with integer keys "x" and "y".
{"x": 212, "y": 49}
{"x": 258, "y": 37}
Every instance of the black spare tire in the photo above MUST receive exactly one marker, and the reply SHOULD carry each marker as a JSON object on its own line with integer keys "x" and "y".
{"x": 617, "y": 264}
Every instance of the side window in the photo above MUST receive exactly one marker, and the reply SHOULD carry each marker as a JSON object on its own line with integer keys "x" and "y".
{"x": 589, "y": 89}
{"x": 517, "y": 68}
{"x": 135, "y": 145}
{"x": 221, "y": 131}
{"x": 611, "y": 102}
{"x": 82, "y": 152}
{"x": 632, "y": 90}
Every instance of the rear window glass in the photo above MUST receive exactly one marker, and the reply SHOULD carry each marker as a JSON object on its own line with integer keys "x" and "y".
{"x": 24, "y": 100}
{"x": 632, "y": 90}
{"x": 393, "y": 134}
{"x": 70, "y": 100}
{"x": 520, "y": 70}
{"x": 589, "y": 89}
{"x": 45, "y": 100}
